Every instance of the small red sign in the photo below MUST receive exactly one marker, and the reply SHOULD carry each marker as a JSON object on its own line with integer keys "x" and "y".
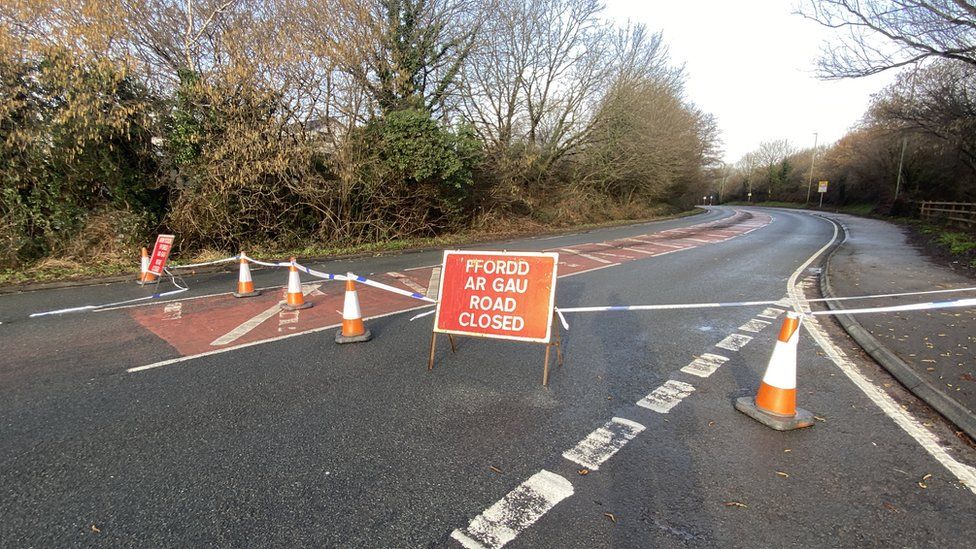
{"x": 497, "y": 294}
{"x": 164, "y": 243}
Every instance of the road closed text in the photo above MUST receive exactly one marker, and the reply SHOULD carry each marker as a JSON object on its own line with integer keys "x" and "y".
{"x": 497, "y": 295}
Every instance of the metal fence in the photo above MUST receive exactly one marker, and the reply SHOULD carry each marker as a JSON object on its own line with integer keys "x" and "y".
{"x": 951, "y": 212}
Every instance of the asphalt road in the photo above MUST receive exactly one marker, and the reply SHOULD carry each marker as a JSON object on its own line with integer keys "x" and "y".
{"x": 296, "y": 441}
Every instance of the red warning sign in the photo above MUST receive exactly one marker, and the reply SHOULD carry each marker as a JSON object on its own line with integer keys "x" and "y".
{"x": 504, "y": 295}
{"x": 164, "y": 243}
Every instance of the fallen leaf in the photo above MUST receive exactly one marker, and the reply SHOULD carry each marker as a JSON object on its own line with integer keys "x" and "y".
{"x": 818, "y": 418}
{"x": 710, "y": 423}
{"x": 787, "y": 450}
{"x": 890, "y": 507}
{"x": 95, "y": 529}
{"x": 782, "y": 474}
{"x": 583, "y": 472}
{"x": 610, "y": 516}
{"x": 734, "y": 504}
{"x": 495, "y": 469}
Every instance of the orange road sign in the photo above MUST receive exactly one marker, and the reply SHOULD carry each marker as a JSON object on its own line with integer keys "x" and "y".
{"x": 160, "y": 253}
{"x": 502, "y": 295}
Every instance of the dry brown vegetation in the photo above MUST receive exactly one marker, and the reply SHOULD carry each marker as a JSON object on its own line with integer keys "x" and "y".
{"x": 289, "y": 123}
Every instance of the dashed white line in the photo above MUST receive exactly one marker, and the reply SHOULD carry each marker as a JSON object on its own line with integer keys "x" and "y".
{"x": 519, "y": 509}
{"x": 771, "y": 313}
{"x": 734, "y": 342}
{"x": 754, "y": 326}
{"x": 666, "y": 396}
{"x": 603, "y": 443}
{"x": 705, "y": 365}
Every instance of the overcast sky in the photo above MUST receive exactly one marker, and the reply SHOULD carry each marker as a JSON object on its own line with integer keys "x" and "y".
{"x": 751, "y": 64}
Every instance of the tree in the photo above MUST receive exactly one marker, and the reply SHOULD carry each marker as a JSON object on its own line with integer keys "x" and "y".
{"x": 877, "y": 35}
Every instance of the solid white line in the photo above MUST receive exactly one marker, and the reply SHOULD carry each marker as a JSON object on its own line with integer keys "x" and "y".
{"x": 666, "y": 396}
{"x": 754, "y": 326}
{"x": 519, "y": 509}
{"x": 924, "y": 437}
{"x": 705, "y": 365}
{"x": 423, "y": 267}
{"x": 256, "y": 321}
{"x": 603, "y": 443}
{"x": 734, "y": 342}
{"x": 259, "y": 342}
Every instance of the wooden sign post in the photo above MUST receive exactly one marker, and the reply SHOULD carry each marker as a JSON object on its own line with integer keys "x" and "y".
{"x": 498, "y": 295}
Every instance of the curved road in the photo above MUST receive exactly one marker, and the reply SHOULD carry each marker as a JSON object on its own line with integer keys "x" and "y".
{"x": 281, "y": 437}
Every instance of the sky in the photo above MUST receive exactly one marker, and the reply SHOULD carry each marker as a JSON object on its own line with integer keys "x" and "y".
{"x": 751, "y": 63}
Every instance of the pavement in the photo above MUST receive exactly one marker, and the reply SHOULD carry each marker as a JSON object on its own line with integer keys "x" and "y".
{"x": 146, "y": 426}
{"x": 932, "y": 353}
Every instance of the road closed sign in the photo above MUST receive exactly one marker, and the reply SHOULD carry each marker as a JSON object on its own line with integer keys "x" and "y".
{"x": 160, "y": 253}
{"x": 497, "y": 294}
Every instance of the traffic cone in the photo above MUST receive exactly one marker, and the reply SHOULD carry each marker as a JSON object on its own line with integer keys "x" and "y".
{"x": 245, "y": 286}
{"x": 353, "y": 329}
{"x": 775, "y": 402}
{"x": 145, "y": 277}
{"x": 295, "y": 299}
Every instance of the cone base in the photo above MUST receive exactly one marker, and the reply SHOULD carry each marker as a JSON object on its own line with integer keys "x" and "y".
{"x": 289, "y": 307}
{"x": 145, "y": 282}
{"x": 365, "y": 336}
{"x": 255, "y": 293}
{"x": 747, "y": 405}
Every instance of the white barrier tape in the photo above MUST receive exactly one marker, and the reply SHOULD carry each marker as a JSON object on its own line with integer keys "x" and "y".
{"x": 878, "y": 296}
{"x": 266, "y": 263}
{"x": 313, "y": 272}
{"x": 562, "y": 319}
{"x": 423, "y": 314}
{"x": 668, "y": 307}
{"x": 971, "y": 302}
{"x": 392, "y": 289}
{"x": 179, "y": 290}
{"x": 204, "y": 264}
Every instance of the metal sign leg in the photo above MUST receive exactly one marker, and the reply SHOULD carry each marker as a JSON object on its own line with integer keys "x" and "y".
{"x": 433, "y": 345}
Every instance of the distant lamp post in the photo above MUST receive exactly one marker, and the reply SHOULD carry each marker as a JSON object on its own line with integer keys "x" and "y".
{"x": 813, "y": 160}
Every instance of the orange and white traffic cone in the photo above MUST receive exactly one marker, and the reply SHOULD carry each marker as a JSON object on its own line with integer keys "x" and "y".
{"x": 353, "y": 329}
{"x": 775, "y": 402}
{"x": 245, "y": 286}
{"x": 295, "y": 299}
{"x": 145, "y": 277}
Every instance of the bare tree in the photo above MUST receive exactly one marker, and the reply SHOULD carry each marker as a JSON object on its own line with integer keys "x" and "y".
{"x": 878, "y": 35}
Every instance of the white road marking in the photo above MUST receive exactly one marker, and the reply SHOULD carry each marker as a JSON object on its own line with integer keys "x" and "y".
{"x": 705, "y": 365}
{"x": 287, "y": 317}
{"x": 734, "y": 342}
{"x": 173, "y": 311}
{"x": 771, "y": 313}
{"x": 924, "y": 437}
{"x": 637, "y": 250}
{"x": 666, "y": 396}
{"x": 434, "y": 284}
{"x": 587, "y": 256}
{"x": 603, "y": 443}
{"x": 754, "y": 326}
{"x": 259, "y": 342}
{"x": 618, "y": 256}
{"x": 409, "y": 283}
{"x": 519, "y": 509}
{"x": 422, "y": 267}
{"x": 256, "y": 321}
